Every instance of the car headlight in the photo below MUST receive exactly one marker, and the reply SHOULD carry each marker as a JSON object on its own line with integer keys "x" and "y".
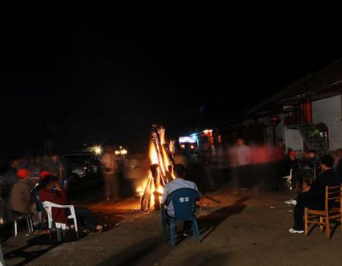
{"x": 81, "y": 172}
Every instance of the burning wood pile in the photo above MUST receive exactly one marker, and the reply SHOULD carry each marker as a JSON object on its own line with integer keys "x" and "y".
{"x": 162, "y": 161}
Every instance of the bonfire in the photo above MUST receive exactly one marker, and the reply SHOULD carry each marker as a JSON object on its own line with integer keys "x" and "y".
{"x": 161, "y": 154}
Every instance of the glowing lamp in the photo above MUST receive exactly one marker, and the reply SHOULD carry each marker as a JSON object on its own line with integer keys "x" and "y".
{"x": 97, "y": 150}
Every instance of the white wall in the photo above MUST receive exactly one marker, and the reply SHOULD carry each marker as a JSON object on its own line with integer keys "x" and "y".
{"x": 293, "y": 139}
{"x": 280, "y": 131}
{"x": 328, "y": 111}
{"x": 269, "y": 136}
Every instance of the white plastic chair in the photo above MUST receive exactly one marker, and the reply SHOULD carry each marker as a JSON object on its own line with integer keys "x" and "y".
{"x": 288, "y": 179}
{"x": 19, "y": 216}
{"x": 59, "y": 226}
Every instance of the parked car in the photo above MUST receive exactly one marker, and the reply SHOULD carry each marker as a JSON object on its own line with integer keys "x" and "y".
{"x": 80, "y": 166}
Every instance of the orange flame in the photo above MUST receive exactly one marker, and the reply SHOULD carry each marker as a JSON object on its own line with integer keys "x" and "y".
{"x": 162, "y": 161}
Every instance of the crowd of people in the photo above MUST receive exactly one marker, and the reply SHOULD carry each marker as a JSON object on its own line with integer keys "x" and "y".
{"x": 32, "y": 181}
{"x": 253, "y": 165}
{"x": 27, "y": 183}
{"x": 305, "y": 173}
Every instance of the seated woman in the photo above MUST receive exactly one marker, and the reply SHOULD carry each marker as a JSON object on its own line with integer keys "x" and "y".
{"x": 52, "y": 191}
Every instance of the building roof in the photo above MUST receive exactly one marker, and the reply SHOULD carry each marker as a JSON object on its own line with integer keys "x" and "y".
{"x": 324, "y": 83}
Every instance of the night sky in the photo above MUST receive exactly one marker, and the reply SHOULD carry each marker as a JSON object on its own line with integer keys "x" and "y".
{"x": 104, "y": 72}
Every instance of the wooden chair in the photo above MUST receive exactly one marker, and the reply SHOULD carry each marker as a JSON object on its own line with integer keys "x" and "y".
{"x": 331, "y": 212}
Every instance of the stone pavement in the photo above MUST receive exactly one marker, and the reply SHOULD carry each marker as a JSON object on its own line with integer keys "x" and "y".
{"x": 241, "y": 229}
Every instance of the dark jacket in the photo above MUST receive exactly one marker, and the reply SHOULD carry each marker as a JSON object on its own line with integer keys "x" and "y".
{"x": 10, "y": 177}
{"x": 327, "y": 178}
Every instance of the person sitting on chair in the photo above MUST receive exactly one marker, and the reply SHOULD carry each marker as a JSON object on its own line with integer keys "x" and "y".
{"x": 21, "y": 199}
{"x": 173, "y": 185}
{"x": 52, "y": 191}
{"x": 314, "y": 197}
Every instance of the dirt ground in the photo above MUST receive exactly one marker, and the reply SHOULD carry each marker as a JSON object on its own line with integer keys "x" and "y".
{"x": 241, "y": 229}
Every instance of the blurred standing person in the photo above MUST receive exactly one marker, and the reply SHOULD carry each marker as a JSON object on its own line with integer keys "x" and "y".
{"x": 279, "y": 160}
{"x": 33, "y": 166}
{"x": 280, "y": 149}
{"x": 10, "y": 177}
{"x": 54, "y": 166}
{"x": 243, "y": 160}
{"x": 109, "y": 172}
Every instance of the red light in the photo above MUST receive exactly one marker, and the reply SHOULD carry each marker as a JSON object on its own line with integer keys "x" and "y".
{"x": 274, "y": 120}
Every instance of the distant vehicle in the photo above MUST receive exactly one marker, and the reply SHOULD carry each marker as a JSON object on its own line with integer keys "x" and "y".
{"x": 80, "y": 165}
{"x": 187, "y": 144}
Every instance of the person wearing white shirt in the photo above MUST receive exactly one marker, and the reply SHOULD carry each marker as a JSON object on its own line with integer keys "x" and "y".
{"x": 175, "y": 184}
{"x": 243, "y": 153}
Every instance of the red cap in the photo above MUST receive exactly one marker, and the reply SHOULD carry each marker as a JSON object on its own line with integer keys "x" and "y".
{"x": 43, "y": 174}
{"x": 22, "y": 173}
{"x": 293, "y": 153}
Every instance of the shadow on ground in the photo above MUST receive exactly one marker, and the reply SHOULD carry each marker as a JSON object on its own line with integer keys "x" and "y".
{"x": 135, "y": 253}
{"x": 208, "y": 223}
{"x": 38, "y": 246}
{"x": 41, "y": 244}
{"x": 141, "y": 251}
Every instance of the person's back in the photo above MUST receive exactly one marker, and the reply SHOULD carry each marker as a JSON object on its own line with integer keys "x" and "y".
{"x": 172, "y": 186}
{"x": 21, "y": 199}
{"x": 179, "y": 183}
{"x": 175, "y": 184}
{"x": 328, "y": 178}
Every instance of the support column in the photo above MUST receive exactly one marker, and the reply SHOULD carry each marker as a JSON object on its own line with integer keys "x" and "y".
{"x": 307, "y": 110}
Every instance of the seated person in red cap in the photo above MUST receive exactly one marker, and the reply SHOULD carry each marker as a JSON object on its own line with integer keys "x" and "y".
{"x": 37, "y": 187}
{"x": 52, "y": 191}
{"x": 21, "y": 199}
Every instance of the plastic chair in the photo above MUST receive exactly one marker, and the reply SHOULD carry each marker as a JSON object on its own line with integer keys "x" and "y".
{"x": 59, "y": 226}
{"x": 184, "y": 204}
{"x": 331, "y": 212}
{"x": 288, "y": 180}
{"x": 18, "y": 216}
